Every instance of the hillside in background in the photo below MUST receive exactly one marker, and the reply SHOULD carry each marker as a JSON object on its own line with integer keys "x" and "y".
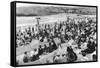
{"x": 50, "y": 10}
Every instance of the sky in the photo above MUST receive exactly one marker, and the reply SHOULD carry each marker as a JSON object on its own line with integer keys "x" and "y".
{"x": 27, "y": 4}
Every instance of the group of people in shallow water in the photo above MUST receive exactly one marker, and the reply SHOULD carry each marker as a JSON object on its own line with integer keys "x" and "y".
{"x": 81, "y": 30}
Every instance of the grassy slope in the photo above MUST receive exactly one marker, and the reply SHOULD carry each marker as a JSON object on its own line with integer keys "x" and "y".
{"x": 42, "y": 11}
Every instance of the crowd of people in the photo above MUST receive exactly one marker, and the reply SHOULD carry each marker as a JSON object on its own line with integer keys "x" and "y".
{"x": 81, "y": 30}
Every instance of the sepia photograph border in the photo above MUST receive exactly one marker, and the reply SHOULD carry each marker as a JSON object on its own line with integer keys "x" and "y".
{"x": 13, "y": 32}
